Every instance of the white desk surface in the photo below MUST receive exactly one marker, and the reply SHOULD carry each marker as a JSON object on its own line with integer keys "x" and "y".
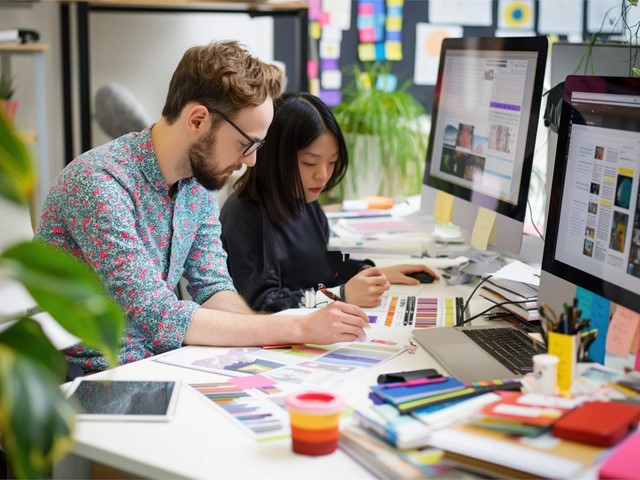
{"x": 202, "y": 442}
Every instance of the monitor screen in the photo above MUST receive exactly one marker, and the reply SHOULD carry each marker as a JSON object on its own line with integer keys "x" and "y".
{"x": 593, "y": 228}
{"x": 483, "y": 129}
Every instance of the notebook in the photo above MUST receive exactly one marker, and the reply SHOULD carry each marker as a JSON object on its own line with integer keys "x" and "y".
{"x": 482, "y": 352}
{"x": 410, "y": 311}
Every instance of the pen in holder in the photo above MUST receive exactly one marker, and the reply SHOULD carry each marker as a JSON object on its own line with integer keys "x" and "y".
{"x": 568, "y": 337}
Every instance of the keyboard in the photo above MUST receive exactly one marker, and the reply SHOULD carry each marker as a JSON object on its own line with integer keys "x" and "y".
{"x": 513, "y": 349}
{"x": 409, "y": 311}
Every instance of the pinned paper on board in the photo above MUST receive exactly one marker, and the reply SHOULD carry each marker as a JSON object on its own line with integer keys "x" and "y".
{"x": 476, "y": 12}
{"x": 427, "y": 52}
{"x": 443, "y": 210}
{"x": 516, "y": 14}
{"x": 483, "y": 228}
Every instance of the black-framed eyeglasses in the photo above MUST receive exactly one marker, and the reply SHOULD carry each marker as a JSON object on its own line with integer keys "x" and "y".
{"x": 253, "y": 144}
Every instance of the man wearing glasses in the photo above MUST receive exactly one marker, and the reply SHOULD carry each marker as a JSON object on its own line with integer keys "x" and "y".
{"x": 141, "y": 210}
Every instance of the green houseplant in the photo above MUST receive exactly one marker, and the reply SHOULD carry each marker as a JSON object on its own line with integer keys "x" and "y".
{"x": 36, "y": 420}
{"x": 385, "y": 139}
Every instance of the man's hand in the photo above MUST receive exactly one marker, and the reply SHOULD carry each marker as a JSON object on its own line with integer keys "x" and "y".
{"x": 338, "y": 322}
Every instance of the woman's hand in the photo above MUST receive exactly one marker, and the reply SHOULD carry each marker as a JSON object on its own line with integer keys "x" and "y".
{"x": 398, "y": 273}
{"x": 338, "y": 322}
{"x": 366, "y": 288}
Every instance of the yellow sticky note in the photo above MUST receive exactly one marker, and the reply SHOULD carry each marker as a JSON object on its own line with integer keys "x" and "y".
{"x": 483, "y": 228}
{"x": 315, "y": 31}
{"x": 621, "y": 331}
{"x": 395, "y": 3}
{"x": 314, "y": 86}
{"x": 366, "y": 52}
{"x": 443, "y": 210}
{"x": 393, "y": 50}
{"x": 565, "y": 347}
{"x": 394, "y": 24}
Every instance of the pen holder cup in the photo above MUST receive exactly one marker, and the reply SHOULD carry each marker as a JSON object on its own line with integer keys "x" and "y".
{"x": 315, "y": 419}
{"x": 565, "y": 347}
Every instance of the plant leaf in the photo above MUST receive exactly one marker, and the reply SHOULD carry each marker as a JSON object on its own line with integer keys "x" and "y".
{"x": 71, "y": 292}
{"x": 36, "y": 420}
{"x": 17, "y": 179}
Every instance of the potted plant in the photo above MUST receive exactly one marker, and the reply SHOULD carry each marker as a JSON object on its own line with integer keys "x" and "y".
{"x": 385, "y": 139}
{"x": 36, "y": 420}
{"x": 8, "y": 106}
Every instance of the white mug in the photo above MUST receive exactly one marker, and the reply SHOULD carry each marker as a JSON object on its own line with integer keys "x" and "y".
{"x": 545, "y": 373}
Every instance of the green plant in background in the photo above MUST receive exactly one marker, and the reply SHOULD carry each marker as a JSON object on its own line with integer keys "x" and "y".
{"x": 392, "y": 121}
{"x": 36, "y": 420}
{"x": 6, "y": 87}
{"x": 629, "y": 33}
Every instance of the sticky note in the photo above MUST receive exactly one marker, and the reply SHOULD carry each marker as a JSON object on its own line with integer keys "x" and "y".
{"x": 483, "y": 228}
{"x": 565, "y": 347}
{"x": 315, "y": 30}
{"x": 331, "y": 79}
{"x": 393, "y": 50}
{"x": 443, "y": 210}
{"x": 312, "y": 68}
{"x": 622, "y": 330}
{"x": 394, "y": 23}
{"x": 366, "y": 53}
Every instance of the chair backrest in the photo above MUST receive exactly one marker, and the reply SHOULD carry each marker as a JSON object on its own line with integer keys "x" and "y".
{"x": 15, "y": 224}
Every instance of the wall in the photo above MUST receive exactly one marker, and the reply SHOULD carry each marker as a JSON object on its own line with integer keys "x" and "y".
{"x": 137, "y": 50}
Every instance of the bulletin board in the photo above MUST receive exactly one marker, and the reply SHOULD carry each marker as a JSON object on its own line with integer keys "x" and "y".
{"x": 423, "y": 23}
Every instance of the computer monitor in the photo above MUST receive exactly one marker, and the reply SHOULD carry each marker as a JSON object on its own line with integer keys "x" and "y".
{"x": 592, "y": 240}
{"x": 483, "y": 130}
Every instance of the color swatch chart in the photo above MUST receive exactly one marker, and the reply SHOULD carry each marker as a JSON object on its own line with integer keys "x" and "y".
{"x": 413, "y": 312}
{"x": 257, "y": 414}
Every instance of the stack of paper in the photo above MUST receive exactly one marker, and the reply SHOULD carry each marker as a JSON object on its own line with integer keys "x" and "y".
{"x": 515, "y": 282}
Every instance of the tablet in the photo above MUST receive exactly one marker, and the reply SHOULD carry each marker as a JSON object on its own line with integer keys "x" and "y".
{"x": 124, "y": 400}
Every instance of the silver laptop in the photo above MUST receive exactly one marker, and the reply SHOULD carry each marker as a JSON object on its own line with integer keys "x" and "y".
{"x": 480, "y": 353}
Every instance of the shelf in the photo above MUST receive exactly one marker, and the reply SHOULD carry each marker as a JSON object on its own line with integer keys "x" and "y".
{"x": 23, "y": 47}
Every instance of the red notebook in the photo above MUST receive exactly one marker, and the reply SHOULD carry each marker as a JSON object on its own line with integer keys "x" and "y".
{"x": 598, "y": 423}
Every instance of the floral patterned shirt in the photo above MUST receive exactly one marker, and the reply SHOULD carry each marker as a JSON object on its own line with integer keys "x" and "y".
{"x": 111, "y": 207}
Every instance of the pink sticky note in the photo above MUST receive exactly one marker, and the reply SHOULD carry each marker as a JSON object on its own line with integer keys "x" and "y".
{"x": 621, "y": 331}
{"x": 365, "y": 8}
{"x": 324, "y": 19}
{"x": 367, "y": 35}
{"x": 253, "y": 381}
{"x": 312, "y": 68}
{"x": 637, "y": 365}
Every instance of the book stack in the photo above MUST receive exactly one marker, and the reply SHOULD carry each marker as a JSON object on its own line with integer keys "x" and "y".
{"x": 499, "y": 290}
{"x": 526, "y": 414}
{"x": 416, "y": 395}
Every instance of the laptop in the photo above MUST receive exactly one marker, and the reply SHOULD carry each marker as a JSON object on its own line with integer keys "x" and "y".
{"x": 480, "y": 353}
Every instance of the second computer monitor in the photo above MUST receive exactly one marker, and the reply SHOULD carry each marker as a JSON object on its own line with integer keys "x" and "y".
{"x": 483, "y": 129}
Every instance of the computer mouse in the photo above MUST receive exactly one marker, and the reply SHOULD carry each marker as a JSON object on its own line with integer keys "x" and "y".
{"x": 422, "y": 277}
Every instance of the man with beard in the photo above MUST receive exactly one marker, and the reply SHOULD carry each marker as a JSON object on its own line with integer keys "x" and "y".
{"x": 141, "y": 211}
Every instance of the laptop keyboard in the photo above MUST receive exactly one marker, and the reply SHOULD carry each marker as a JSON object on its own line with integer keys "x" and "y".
{"x": 507, "y": 345}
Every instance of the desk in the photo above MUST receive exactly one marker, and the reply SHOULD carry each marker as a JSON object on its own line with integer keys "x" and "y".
{"x": 202, "y": 443}
{"x": 296, "y": 9}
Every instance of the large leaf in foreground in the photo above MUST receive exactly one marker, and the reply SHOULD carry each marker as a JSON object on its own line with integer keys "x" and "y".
{"x": 71, "y": 292}
{"x": 36, "y": 420}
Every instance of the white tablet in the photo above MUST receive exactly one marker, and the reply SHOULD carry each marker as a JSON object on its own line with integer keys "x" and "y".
{"x": 124, "y": 400}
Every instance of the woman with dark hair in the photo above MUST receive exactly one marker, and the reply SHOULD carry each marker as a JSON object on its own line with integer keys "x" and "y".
{"x": 274, "y": 229}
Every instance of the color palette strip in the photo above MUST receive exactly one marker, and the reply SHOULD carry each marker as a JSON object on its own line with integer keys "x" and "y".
{"x": 260, "y": 416}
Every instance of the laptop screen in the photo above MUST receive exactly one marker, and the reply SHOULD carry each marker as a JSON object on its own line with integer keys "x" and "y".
{"x": 593, "y": 231}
